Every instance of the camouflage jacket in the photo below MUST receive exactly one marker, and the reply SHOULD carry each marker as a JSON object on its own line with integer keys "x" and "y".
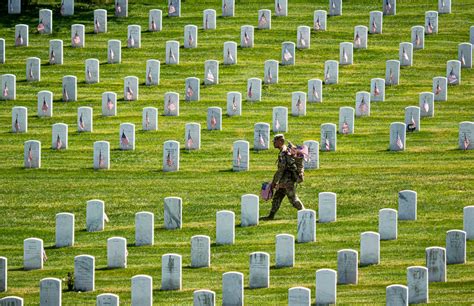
{"x": 286, "y": 172}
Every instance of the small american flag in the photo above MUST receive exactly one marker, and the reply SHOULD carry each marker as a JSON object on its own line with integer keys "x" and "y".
{"x": 62, "y": 10}
{"x": 112, "y": 55}
{"x": 189, "y": 141}
{"x": 426, "y": 106}
{"x": 357, "y": 41}
{"x": 405, "y": 55}
{"x": 171, "y": 107}
{"x": 81, "y": 123}
{"x": 345, "y": 127}
{"x": 333, "y": 4}
{"x": 110, "y": 104}
{"x": 30, "y": 73}
{"x": 344, "y": 55}
{"x": 261, "y": 141}
{"x": 147, "y": 120}
{"x": 452, "y": 77}
{"x": 327, "y": 76}
{"x": 124, "y": 140}
{"x": 106, "y": 219}
{"x": 246, "y": 38}
{"x": 213, "y": 121}
{"x": 19, "y": 40}
{"x": 40, "y": 26}
{"x": 277, "y": 124}
{"x": 96, "y": 25}
{"x": 45, "y": 107}
{"x": 327, "y": 144}
{"x": 210, "y": 76}
{"x": 466, "y": 142}
{"x": 430, "y": 27}
{"x": 230, "y": 58}
{"x": 45, "y": 258}
{"x": 437, "y": 89}
{"x": 417, "y": 39}
{"x": 153, "y": 24}
{"x": 5, "y": 90}
{"x": 129, "y": 93}
{"x": 399, "y": 142}
{"x": 169, "y": 160}
{"x": 412, "y": 122}
{"x": 234, "y": 104}
{"x": 388, "y": 6}
{"x": 171, "y": 8}
{"x": 131, "y": 41}
{"x": 59, "y": 143}
{"x": 279, "y": 8}
{"x": 376, "y": 90}
{"x": 101, "y": 160}
{"x": 315, "y": 93}
{"x": 239, "y": 158}
{"x": 205, "y": 23}
{"x": 299, "y": 104}
{"x": 171, "y": 56}
{"x": 189, "y": 91}
{"x": 224, "y": 8}
{"x": 52, "y": 57}
{"x": 317, "y": 24}
{"x": 443, "y": 3}
{"x": 374, "y": 26}
{"x": 118, "y": 9}
{"x": 463, "y": 60}
{"x": 65, "y": 94}
{"x": 363, "y": 106}
{"x": 302, "y": 41}
{"x": 190, "y": 39}
{"x": 269, "y": 75}
{"x": 249, "y": 92}
{"x": 89, "y": 73}
{"x": 30, "y": 157}
{"x": 76, "y": 39}
{"x": 149, "y": 76}
{"x": 263, "y": 20}
{"x": 17, "y": 124}
{"x": 287, "y": 55}
{"x": 390, "y": 78}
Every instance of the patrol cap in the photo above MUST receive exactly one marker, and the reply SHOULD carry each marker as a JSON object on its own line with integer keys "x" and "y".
{"x": 278, "y": 137}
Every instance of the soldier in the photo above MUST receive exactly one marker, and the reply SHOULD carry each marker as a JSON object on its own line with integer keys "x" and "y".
{"x": 284, "y": 180}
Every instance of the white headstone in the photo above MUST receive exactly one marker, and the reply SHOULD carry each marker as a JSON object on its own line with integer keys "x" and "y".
{"x": 331, "y": 72}
{"x": 280, "y": 119}
{"x": 117, "y": 252}
{"x": 284, "y": 251}
{"x": 192, "y": 89}
{"x": 45, "y": 103}
{"x": 299, "y": 296}
{"x": 107, "y": 299}
{"x": 346, "y": 53}
{"x": 155, "y": 20}
{"x": 369, "y": 248}
{"x": 32, "y": 154}
{"x": 101, "y": 155}
{"x": 388, "y": 224}
{"x": 233, "y": 288}
{"x": 326, "y": 286}
{"x": 464, "y": 55}
{"x": 396, "y": 295}
{"x": 246, "y": 36}
{"x": 214, "y": 119}
{"x": 92, "y": 71}
{"x": 270, "y": 72}
{"x": 298, "y": 103}
{"x": 192, "y": 136}
{"x": 254, "y": 89}
{"x": 130, "y": 88}
{"x": 418, "y": 37}
{"x": 114, "y": 51}
{"x": 327, "y": 207}
{"x": 328, "y": 137}
{"x": 440, "y": 88}
{"x": 59, "y": 136}
{"x": 3, "y": 274}
{"x": 315, "y": 90}
{"x": 56, "y": 52}
{"x": 288, "y": 53}
{"x": 412, "y": 118}
{"x": 397, "y": 136}
{"x": 150, "y": 119}
{"x": 33, "y": 254}
{"x": 335, "y": 7}
{"x": 407, "y": 205}
{"x": 431, "y": 22}
{"x": 170, "y": 156}
{"x": 21, "y": 35}
{"x": 142, "y": 290}
{"x": 173, "y": 208}
{"x": 11, "y": 300}
{"x": 392, "y": 72}
{"x": 417, "y": 283}
{"x": 144, "y": 228}
{"x": 312, "y": 161}
{"x": 14, "y": 7}
{"x": 190, "y": 36}
{"x": 204, "y": 298}
{"x": 100, "y": 21}
{"x": 347, "y": 267}
{"x": 228, "y": 8}
{"x": 249, "y": 209}
{"x": 33, "y": 69}
{"x": 234, "y": 103}
{"x": 127, "y": 136}
{"x": 281, "y": 7}
{"x": 64, "y": 230}
{"x": 171, "y": 272}
{"x": 346, "y": 120}
{"x": 360, "y": 37}
{"x": 259, "y": 272}
{"x": 455, "y": 247}
{"x": 69, "y": 88}
{"x": 319, "y": 20}
{"x": 362, "y": 107}
{"x": 306, "y": 226}
{"x": 67, "y": 7}
{"x": 377, "y": 90}
{"x": 211, "y": 72}
{"x": 84, "y": 119}
{"x": 121, "y": 8}
{"x": 436, "y": 264}
{"x": 230, "y": 52}
{"x": 174, "y": 8}
{"x": 109, "y": 104}
{"x": 303, "y": 37}
{"x": 50, "y": 292}
{"x": 95, "y": 216}
{"x": 171, "y": 104}
{"x": 8, "y": 83}
{"x": 261, "y": 136}
{"x": 84, "y": 273}
{"x": 468, "y": 222}
{"x": 264, "y": 19}
{"x": 376, "y": 22}
{"x": 225, "y": 227}
{"x": 453, "y": 72}
{"x": 200, "y": 251}
{"x": 19, "y": 119}
{"x": 389, "y": 7}
{"x": 2, "y": 51}
{"x": 172, "y": 52}
{"x": 152, "y": 72}
{"x": 78, "y": 35}
{"x": 426, "y": 104}
{"x": 209, "y": 19}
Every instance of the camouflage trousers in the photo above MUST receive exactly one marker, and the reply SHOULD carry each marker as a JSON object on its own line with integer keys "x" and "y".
{"x": 279, "y": 195}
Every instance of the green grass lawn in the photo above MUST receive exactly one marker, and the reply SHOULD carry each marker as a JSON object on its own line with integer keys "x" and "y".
{"x": 365, "y": 176}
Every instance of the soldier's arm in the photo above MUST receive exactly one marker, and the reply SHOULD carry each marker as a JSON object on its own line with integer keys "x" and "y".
{"x": 281, "y": 169}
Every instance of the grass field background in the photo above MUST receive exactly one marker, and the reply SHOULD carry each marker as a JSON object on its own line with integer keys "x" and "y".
{"x": 365, "y": 176}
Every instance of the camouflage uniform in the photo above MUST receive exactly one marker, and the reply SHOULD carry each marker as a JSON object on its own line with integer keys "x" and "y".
{"x": 285, "y": 182}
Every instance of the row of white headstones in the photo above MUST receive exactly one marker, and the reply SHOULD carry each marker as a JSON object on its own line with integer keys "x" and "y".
{"x": 259, "y": 272}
